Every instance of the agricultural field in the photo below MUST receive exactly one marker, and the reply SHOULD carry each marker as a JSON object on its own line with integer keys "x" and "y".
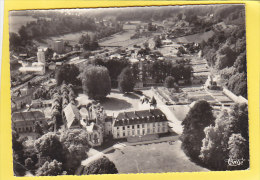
{"x": 122, "y": 39}
{"x": 169, "y": 50}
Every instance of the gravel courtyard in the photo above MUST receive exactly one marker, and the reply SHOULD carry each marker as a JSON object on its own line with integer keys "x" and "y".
{"x": 117, "y": 102}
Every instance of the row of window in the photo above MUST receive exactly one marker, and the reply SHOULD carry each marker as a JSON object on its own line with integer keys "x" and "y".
{"x": 26, "y": 123}
{"x": 141, "y": 125}
{"x": 24, "y": 129}
{"x": 141, "y": 132}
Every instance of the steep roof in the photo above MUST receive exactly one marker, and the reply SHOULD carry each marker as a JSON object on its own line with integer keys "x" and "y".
{"x": 72, "y": 114}
{"x": 140, "y": 117}
{"x": 27, "y": 116}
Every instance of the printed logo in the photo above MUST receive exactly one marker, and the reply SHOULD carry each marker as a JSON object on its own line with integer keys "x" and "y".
{"x": 235, "y": 162}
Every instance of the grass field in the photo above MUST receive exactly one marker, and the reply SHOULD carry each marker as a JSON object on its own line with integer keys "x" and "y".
{"x": 153, "y": 158}
{"x": 72, "y": 38}
{"x": 122, "y": 39}
{"x": 197, "y": 38}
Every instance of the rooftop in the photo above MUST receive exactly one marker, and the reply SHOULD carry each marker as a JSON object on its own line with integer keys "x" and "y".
{"x": 27, "y": 116}
{"x": 139, "y": 117}
{"x": 72, "y": 114}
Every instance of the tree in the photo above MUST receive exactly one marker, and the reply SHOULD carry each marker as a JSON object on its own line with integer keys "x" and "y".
{"x": 49, "y": 146}
{"x": 199, "y": 117}
{"x": 151, "y": 27}
{"x": 96, "y": 81}
{"x": 88, "y": 42}
{"x": 75, "y": 144}
{"x": 181, "y": 50}
{"x": 49, "y": 53}
{"x": 169, "y": 82}
{"x": 18, "y": 155}
{"x": 38, "y": 129}
{"x": 239, "y": 150}
{"x": 101, "y": 166}
{"x": 228, "y": 138}
{"x": 53, "y": 168}
{"x": 56, "y": 119}
{"x": 29, "y": 164}
{"x": 14, "y": 40}
{"x": 213, "y": 151}
{"x": 238, "y": 84}
{"x": 158, "y": 42}
{"x": 23, "y": 33}
{"x": 240, "y": 63}
{"x": 226, "y": 57}
{"x": 67, "y": 73}
{"x": 126, "y": 80}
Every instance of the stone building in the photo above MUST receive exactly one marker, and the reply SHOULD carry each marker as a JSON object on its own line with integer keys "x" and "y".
{"x": 139, "y": 123}
{"x": 71, "y": 116}
{"x": 23, "y": 122}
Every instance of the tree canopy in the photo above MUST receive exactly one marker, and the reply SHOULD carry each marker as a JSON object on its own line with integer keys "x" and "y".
{"x": 96, "y": 81}
{"x": 53, "y": 168}
{"x": 101, "y": 166}
{"x": 228, "y": 138}
{"x": 126, "y": 80}
{"x": 89, "y": 43}
{"x": 199, "y": 117}
{"x": 114, "y": 67}
{"x": 76, "y": 145}
{"x": 169, "y": 82}
{"x": 67, "y": 73}
{"x": 49, "y": 145}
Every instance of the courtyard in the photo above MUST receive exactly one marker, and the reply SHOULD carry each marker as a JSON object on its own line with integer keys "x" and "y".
{"x": 117, "y": 102}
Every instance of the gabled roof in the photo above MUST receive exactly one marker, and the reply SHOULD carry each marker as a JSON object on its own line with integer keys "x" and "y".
{"x": 27, "y": 116}
{"x": 72, "y": 114}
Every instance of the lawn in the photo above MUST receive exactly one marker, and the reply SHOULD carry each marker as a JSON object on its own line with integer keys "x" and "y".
{"x": 153, "y": 158}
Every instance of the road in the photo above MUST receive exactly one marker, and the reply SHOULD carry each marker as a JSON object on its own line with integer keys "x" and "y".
{"x": 174, "y": 123}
